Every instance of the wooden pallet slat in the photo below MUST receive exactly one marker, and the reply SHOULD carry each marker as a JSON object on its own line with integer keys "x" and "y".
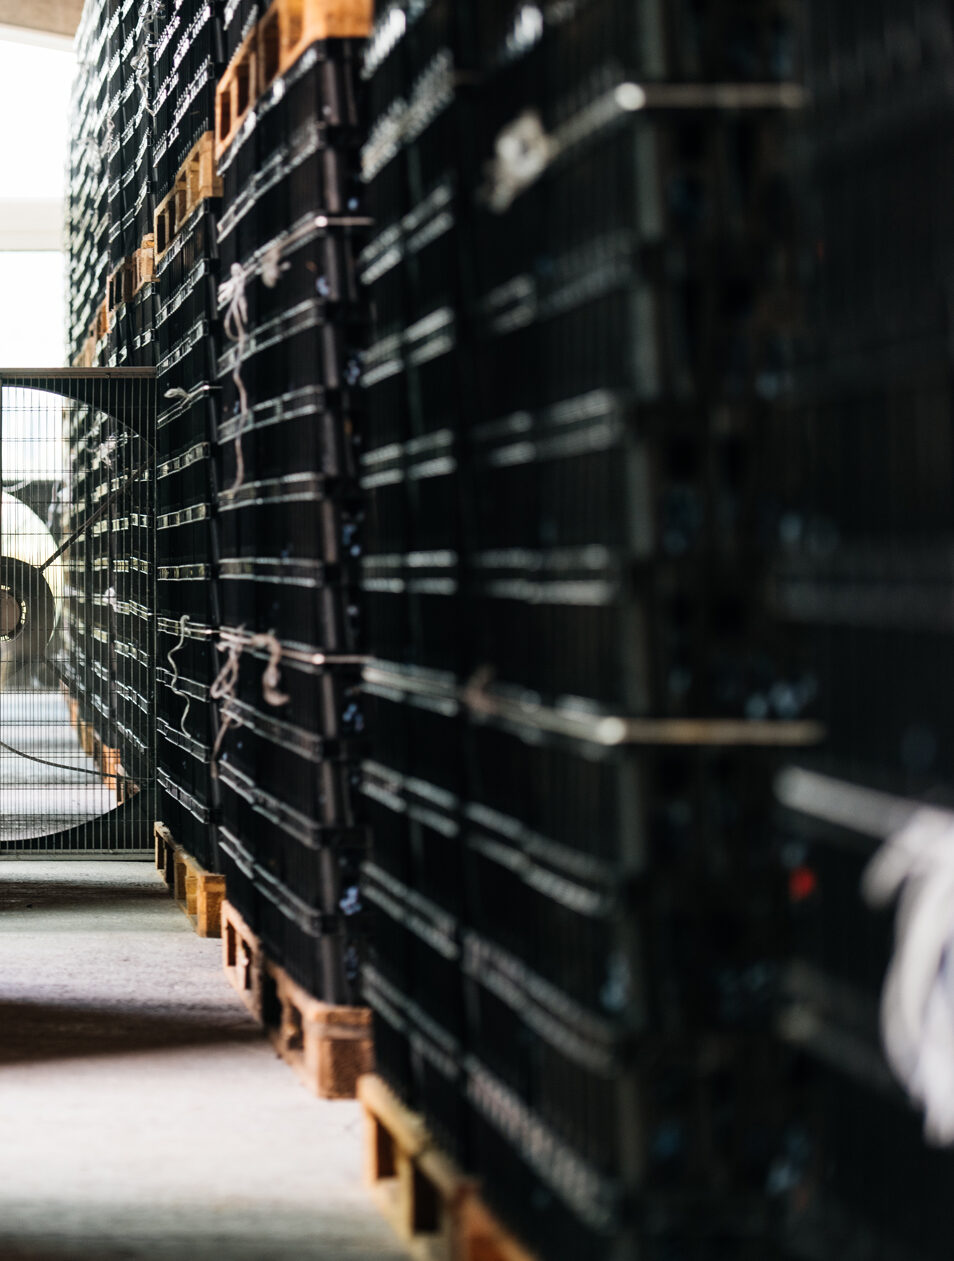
{"x": 198, "y": 892}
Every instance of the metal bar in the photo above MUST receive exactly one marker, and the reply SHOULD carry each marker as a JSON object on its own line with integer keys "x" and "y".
{"x": 74, "y": 374}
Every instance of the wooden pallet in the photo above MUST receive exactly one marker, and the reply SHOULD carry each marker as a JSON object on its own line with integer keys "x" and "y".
{"x": 144, "y": 263}
{"x": 434, "y": 1208}
{"x": 196, "y": 181}
{"x": 273, "y": 46}
{"x": 100, "y": 323}
{"x": 480, "y": 1237}
{"x": 328, "y": 1046}
{"x": 242, "y": 959}
{"x": 110, "y": 764}
{"x": 199, "y": 893}
{"x": 119, "y": 286}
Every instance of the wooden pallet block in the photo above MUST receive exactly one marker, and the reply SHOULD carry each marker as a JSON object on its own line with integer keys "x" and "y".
{"x": 329, "y": 1046}
{"x": 197, "y": 179}
{"x": 144, "y": 263}
{"x": 199, "y": 893}
{"x": 87, "y": 356}
{"x": 111, "y": 766}
{"x": 480, "y": 1237}
{"x": 119, "y": 286}
{"x": 242, "y": 959}
{"x": 199, "y": 171}
{"x": 416, "y": 1186}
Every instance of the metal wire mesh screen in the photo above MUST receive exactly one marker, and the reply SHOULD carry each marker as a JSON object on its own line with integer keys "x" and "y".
{"x": 77, "y": 761}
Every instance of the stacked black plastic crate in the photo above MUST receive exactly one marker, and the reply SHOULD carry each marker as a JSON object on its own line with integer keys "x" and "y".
{"x": 188, "y": 59}
{"x": 130, "y": 42}
{"x": 288, "y": 505}
{"x": 418, "y": 387}
{"x": 864, "y": 519}
{"x": 120, "y": 445}
{"x": 582, "y": 274}
{"x": 106, "y": 628}
{"x": 88, "y": 218}
{"x": 87, "y": 245}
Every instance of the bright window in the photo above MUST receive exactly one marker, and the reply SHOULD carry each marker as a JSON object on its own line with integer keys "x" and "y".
{"x": 35, "y": 84}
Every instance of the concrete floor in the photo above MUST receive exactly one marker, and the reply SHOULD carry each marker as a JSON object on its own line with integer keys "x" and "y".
{"x": 141, "y": 1112}
{"x": 35, "y": 798}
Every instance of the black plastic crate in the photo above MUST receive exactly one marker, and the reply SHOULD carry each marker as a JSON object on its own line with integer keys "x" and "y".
{"x": 294, "y": 431}
{"x": 189, "y": 820}
{"x": 322, "y": 953}
{"x": 321, "y": 699}
{"x": 290, "y": 764}
{"x": 241, "y": 879}
{"x": 320, "y": 864}
{"x": 186, "y": 761}
{"x": 296, "y": 516}
{"x": 301, "y": 603}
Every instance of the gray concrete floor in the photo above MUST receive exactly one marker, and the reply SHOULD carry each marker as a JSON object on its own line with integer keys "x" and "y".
{"x": 36, "y": 798}
{"x": 141, "y": 1112}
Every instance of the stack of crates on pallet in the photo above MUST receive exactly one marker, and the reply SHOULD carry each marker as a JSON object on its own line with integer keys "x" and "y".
{"x": 107, "y": 621}
{"x": 418, "y": 164}
{"x": 865, "y": 484}
{"x": 87, "y": 232}
{"x": 582, "y": 277}
{"x": 288, "y": 505}
{"x": 130, "y": 298}
{"x": 188, "y": 59}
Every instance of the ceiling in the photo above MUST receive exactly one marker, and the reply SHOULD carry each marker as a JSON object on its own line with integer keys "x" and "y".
{"x": 55, "y": 17}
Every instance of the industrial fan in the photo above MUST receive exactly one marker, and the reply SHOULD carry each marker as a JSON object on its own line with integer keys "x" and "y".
{"x": 77, "y": 743}
{"x": 31, "y": 588}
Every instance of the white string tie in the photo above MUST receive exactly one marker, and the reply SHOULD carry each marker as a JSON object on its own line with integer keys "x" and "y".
{"x": 226, "y": 681}
{"x": 235, "y": 326}
{"x": 140, "y": 67}
{"x": 272, "y": 266}
{"x": 223, "y": 689}
{"x": 522, "y": 152}
{"x": 186, "y": 396}
{"x": 271, "y": 677}
{"x": 106, "y": 449}
{"x": 174, "y": 685}
{"x": 916, "y": 865}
